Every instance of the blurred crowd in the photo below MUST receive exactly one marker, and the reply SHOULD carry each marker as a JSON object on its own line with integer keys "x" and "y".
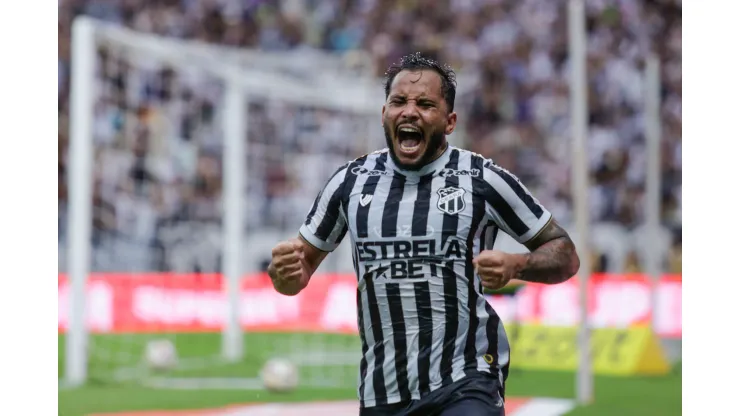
{"x": 158, "y": 138}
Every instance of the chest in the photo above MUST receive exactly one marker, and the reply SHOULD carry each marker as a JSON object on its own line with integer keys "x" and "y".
{"x": 393, "y": 208}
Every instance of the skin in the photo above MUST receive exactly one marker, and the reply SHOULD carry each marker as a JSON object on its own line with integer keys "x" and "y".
{"x": 416, "y": 99}
{"x": 552, "y": 259}
{"x": 293, "y": 263}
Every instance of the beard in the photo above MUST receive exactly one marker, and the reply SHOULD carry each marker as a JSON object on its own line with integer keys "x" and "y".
{"x": 434, "y": 143}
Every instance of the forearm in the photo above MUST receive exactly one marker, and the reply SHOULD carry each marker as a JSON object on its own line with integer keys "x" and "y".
{"x": 285, "y": 287}
{"x": 553, "y": 262}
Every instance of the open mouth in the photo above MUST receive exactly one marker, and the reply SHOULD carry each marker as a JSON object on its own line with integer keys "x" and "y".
{"x": 410, "y": 138}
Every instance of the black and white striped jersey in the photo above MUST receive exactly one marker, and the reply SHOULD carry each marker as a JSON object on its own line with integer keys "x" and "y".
{"x": 422, "y": 318}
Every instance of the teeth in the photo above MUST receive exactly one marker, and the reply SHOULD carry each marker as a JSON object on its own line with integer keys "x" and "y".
{"x": 404, "y": 146}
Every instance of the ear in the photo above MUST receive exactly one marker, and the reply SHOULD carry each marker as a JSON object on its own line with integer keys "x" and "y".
{"x": 451, "y": 123}
{"x": 382, "y": 114}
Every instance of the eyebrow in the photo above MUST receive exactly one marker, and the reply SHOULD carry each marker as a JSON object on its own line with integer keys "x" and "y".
{"x": 402, "y": 95}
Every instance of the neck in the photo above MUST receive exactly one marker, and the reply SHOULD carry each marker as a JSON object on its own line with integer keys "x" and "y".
{"x": 441, "y": 150}
{"x": 428, "y": 164}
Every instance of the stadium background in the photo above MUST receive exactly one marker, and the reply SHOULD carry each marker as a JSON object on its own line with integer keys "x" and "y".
{"x": 153, "y": 215}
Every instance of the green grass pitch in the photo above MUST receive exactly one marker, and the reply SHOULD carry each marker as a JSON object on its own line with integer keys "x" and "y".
{"x": 635, "y": 396}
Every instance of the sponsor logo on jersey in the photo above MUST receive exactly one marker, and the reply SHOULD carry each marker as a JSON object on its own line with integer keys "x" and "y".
{"x": 446, "y": 173}
{"x": 359, "y": 170}
{"x": 365, "y": 199}
{"x": 403, "y": 259}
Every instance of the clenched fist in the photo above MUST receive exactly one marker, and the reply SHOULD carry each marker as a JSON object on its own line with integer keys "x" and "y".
{"x": 497, "y": 268}
{"x": 288, "y": 268}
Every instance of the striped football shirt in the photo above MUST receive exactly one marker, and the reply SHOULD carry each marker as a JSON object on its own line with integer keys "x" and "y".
{"x": 422, "y": 319}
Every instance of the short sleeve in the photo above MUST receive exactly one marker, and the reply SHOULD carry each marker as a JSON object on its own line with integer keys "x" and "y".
{"x": 325, "y": 224}
{"x": 510, "y": 204}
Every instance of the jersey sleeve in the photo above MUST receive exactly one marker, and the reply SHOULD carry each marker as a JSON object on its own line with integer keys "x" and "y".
{"x": 510, "y": 204}
{"x": 325, "y": 224}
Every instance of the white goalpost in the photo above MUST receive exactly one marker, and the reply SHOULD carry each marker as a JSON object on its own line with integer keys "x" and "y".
{"x": 253, "y": 110}
{"x": 653, "y": 264}
{"x": 80, "y": 195}
{"x": 580, "y": 187}
{"x": 577, "y": 38}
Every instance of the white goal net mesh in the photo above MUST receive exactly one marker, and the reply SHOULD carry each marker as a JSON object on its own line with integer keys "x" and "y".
{"x": 158, "y": 210}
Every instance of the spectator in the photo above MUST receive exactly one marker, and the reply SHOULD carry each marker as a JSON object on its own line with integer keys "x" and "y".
{"x": 157, "y": 133}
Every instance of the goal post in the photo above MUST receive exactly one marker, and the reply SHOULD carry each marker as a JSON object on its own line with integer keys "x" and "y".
{"x": 235, "y": 148}
{"x": 246, "y": 88}
{"x": 80, "y": 195}
{"x": 580, "y": 188}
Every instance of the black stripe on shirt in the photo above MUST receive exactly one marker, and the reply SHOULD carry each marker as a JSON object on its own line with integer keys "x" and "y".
{"x": 315, "y": 206}
{"x": 331, "y": 216}
{"x": 398, "y": 325}
{"x": 392, "y": 205}
{"x": 378, "y": 345}
{"x": 368, "y": 189}
{"x": 518, "y": 189}
{"x": 363, "y": 340}
{"x": 479, "y": 211}
{"x": 350, "y": 183}
{"x": 492, "y": 335}
{"x": 499, "y": 204}
{"x": 449, "y": 281}
{"x": 420, "y": 219}
{"x": 426, "y": 330}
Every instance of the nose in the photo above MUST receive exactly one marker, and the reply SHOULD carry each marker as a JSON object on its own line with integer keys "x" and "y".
{"x": 410, "y": 111}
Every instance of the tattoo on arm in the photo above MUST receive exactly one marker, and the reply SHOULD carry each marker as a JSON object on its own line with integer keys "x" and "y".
{"x": 553, "y": 258}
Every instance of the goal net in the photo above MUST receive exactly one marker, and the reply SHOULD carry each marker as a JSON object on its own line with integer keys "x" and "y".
{"x": 188, "y": 163}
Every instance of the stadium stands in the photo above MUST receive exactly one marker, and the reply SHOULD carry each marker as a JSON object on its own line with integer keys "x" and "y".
{"x": 518, "y": 115}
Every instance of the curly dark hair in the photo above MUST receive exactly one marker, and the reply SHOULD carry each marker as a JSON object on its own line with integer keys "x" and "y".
{"x": 416, "y": 61}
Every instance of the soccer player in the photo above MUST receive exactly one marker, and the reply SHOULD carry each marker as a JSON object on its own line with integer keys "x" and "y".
{"x": 422, "y": 217}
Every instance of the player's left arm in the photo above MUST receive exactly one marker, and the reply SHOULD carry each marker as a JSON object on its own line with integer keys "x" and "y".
{"x": 552, "y": 258}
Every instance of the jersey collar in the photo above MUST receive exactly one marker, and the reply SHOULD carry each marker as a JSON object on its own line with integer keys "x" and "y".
{"x": 435, "y": 165}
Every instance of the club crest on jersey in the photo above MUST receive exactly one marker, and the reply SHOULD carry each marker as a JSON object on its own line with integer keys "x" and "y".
{"x": 451, "y": 200}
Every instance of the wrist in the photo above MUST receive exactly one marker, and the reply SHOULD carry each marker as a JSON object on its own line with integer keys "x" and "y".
{"x": 520, "y": 263}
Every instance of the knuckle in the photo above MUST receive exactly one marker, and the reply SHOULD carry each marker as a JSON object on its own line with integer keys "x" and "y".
{"x": 280, "y": 248}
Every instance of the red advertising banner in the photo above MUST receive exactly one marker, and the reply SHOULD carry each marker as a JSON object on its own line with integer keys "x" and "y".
{"x": 162, "y": 302}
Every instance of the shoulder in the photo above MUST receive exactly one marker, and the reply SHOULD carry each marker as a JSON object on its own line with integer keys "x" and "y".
{"x": 371, "y": 162}
{"x": 469, "y": 158}
{"x": 491, "y": 168}
{"x": 473, "y": 163}
{"x": 372, "y": 156}
{"x": 477, "y": 159}
{"x": 347, "y": 166}
{"x": 488, "y": 171}
{"x": 359, "y": 166}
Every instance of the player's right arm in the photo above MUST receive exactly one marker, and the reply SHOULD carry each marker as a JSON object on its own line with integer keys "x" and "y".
{"x": 294, "y": 261}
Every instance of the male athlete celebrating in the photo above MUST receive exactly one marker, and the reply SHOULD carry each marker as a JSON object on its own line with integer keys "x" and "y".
{"x": 423, "y": 216}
